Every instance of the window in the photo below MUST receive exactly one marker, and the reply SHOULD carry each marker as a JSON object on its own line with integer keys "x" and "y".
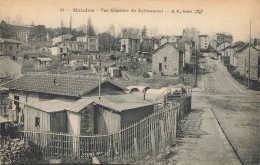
{"x": 165, "y": 66}
{"x": 61, "y": 50}
{"x": 17, "y": 46}
{"x": 165, "y": 59}
{"x": 37, "y": 122}
{"x": 11, "y": 47}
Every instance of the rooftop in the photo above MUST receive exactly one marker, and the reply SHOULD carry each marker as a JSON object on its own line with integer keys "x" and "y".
{"x": 59, "y": 84}
{"x": 4, "y": 40}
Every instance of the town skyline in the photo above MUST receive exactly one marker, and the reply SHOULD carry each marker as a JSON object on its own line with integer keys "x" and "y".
{"x": 215, "y": 17}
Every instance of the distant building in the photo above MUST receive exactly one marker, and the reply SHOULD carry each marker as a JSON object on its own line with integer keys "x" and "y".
{"x": 130, "y": 43}
{"x": 204, "y": 42}
{"x": 43, "y": 62}
{"x": 60, "y": 49}
{"x": 186, "y": 49}
{"x": 20, "y": 33}
{"x": 92, "y": 43}
{"x": 62, "y": 38}
{"x": 242, "y": 63}
{"x": 146, "y": 44}
{"x": 222, "y": 46}
{"x": 10, "y": 48}
{"x": 165, "y": 39}
{"x": 224, "y": 37}
{"x": 233, "y": 49}
{"x": 167, "y": 60}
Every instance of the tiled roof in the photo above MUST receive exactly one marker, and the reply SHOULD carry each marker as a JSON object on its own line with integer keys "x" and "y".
{"x": 244, "y": 47}
{"x": 59, "y": 84}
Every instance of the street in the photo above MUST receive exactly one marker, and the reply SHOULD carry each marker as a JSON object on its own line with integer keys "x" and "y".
{"x": 236, "y": 112}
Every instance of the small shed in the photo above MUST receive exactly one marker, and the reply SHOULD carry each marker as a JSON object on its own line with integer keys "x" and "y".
{"x": 114, "y": 72}
{"x": 43, "y": 61}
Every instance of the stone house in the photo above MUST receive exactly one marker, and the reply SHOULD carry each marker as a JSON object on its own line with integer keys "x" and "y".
{"x": 167, "y": 60}
{"x": 204, "y": 42}
{"x": 62, "y": 38}
{"x": 10, "y": 48}
{"x": 242, "y": 61}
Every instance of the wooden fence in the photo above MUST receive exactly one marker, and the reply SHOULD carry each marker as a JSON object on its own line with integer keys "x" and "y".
{"x": 151, "y": 134}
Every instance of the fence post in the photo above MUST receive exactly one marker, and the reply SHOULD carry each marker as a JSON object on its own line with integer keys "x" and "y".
{"x": 153, "y": 146}
{"x": 136, "y": 149}
{"x": 175, "y": 124}
{"x": 163, "y": 140}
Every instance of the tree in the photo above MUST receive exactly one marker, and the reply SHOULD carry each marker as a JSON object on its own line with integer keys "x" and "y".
{"x": 144, "y": 31}
{"x": 105, "y": 41}
{"x": 38, "y": 33}
{"x": 90, "y": 28}
{"x": 111, "y": 30}
{"x": 132, "y": 65}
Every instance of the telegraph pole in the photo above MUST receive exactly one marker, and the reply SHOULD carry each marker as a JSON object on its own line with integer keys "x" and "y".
{"x": 99, "y": 81}
{"x": 196, "y": 67}
{"x": 249, "y": 57}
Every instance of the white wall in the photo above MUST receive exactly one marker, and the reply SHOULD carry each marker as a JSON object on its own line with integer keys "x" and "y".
{"x": 73, "y": 123}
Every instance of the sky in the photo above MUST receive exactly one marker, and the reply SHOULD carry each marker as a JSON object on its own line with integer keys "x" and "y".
{"x": 231, "y": 16}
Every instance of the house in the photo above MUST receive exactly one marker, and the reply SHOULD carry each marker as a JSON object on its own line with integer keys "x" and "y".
{"x": 167, "y": 60}
{"x": 146, "y": 44}
{"x": 9, "y": 68}
{"x": 76, "y": 47}
{"x": 222, "y": 46}
{"x": 204, "y": 42}
{"x": 79, "y": 60}
{"x": 92, "y": 42}
{"x": 62, "y": 38}
{"x": 234, "y": 48}
{"x": 226, "y": 51}
{"x": 37, "y": 87}
{"x": 185, "y": 47}
{"x": 20, "y": 33}
{"x": 60, "y": 49}
{"x": 10, "y": 48}
{"x": 130, "y": 44}
{"x": 43, "y": 62}
{"x": 165, "y": 39}
{"x": 242, "y": 61}
{"x": 87, "y": 116}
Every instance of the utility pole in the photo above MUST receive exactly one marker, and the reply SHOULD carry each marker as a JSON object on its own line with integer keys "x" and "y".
{"x": 249, "y": 85}
{"x": 195, "y": 67}
{"x": 99, "y": 81}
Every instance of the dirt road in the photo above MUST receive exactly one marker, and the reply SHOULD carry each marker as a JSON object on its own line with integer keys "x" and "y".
{"x": 236, "y": 109}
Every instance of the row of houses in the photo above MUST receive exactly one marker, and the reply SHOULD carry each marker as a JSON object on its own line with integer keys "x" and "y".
{"x": 239, "y": 58}
{"x": 63, "y": 46}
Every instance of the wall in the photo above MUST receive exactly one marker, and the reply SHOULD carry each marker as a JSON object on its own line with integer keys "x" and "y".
{"x": 242, "y": 67}
{"x": 58, "y": 121}
{"x": 172, "y": 62}
{"x": 106, "y": 122}
{"x": 73, "y": 126}
{"x": 130, "y": 116}
{"x": 12, "y": 49}
{"x": 29, "y": 120}
{"x": 87, "y": 120}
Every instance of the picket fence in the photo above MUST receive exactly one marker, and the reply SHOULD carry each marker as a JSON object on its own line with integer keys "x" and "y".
{"x": 150, "y": 135}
